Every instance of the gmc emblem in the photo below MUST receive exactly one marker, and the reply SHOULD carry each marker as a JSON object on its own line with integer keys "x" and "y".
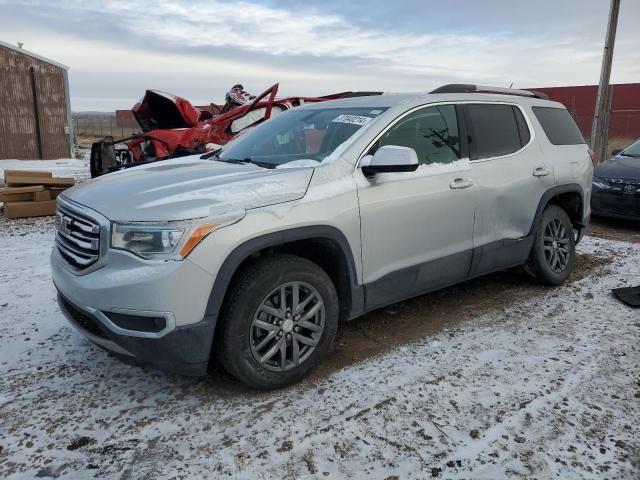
{"x": 63, "y": 223}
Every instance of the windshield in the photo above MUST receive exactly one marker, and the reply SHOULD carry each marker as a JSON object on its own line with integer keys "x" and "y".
{"x": 298, "y": 135}
{"x": 632, "y": 151}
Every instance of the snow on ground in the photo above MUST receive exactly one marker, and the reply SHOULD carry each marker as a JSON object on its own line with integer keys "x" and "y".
{"x": 64, "y": 167}
{"x": 545, "y": 388}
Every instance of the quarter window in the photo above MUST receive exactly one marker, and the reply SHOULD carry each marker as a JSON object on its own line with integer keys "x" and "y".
{"x": 558, "y": 126}
{"x": 496, "y": 130}
{"x": 432, "y": 132}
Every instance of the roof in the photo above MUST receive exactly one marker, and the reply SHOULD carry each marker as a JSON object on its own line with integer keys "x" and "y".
{"x": 33, "y": 55}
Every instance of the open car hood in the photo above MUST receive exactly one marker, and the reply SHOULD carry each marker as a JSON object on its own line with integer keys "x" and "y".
{"x": 161, "y": 110}
{"x": 187, "y": 188}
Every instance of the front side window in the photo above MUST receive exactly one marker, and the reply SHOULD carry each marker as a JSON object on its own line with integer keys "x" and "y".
{"x": 496, "y": 130}
{"x": 299, "y": 134}
{"x": 432, "y": 132}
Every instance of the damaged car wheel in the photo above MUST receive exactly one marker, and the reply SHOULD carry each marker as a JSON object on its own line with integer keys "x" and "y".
{"x": 278, "y": 323}
{"x": 553, "y": 255}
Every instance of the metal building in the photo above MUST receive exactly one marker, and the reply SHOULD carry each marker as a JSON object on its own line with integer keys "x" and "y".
{"x": 35, "y": 112}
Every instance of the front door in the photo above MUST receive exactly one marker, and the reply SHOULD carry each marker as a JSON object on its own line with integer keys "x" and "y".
{"x": 417, "y": 227}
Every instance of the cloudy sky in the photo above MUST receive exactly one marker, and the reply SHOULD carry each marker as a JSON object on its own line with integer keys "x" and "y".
{"x": 199, "y": 48}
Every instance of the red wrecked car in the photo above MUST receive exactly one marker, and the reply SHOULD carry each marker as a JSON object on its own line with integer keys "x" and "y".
{"x": 172, "y": 127}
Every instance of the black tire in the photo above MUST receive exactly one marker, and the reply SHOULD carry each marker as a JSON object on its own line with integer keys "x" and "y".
{"x": 553, "y": 257}
{"x": 250, "y": 292}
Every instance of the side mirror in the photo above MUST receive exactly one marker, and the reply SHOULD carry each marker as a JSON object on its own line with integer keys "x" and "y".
{"x": 390, "y": 158}
{"x": 616, "y": 152}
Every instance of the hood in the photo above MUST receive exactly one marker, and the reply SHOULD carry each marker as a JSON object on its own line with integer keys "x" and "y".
{"x": 160, "y": 110}
{"x": 626, "y": 168}
{"x": 187, "y": 188}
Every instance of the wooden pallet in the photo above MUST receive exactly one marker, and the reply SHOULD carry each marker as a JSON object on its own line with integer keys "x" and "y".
{"x": 31, "y": 194}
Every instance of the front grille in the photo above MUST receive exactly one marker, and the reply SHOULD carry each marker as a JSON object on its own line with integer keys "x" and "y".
{"x": 619, "y": 181}
{"x": 77, "y": 237}
{"x": 625, "y": 185}
{"x": 82, "y": 318}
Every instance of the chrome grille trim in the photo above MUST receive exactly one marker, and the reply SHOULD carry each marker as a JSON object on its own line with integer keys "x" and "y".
{"x": 629, "y": 181}
{"x": 80, "y": 236}
{"x": 93, "y": 244}
{"x": 82, "y": 258}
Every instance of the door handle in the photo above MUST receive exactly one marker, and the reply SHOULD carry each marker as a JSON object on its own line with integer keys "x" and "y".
{"x": 461, "y": 183}
{"x": 541, "y": 172}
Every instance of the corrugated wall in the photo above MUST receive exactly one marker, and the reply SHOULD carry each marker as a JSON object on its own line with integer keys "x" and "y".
{"x": 624, "y": 121}
{"x": 33, "y": 108}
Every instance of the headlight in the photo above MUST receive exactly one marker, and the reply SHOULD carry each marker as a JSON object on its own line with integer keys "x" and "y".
{"x": 170, "y": 240}
{"x": 601, "y": 183}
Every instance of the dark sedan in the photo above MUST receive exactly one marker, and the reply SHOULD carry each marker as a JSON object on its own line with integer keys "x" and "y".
{"x": 616, "y": 185}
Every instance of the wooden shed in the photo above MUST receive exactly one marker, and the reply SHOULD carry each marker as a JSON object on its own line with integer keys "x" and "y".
{"x": 35, "y": 111}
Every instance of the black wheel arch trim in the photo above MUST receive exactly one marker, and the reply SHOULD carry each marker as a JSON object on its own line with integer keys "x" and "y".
{"x": 553, "y": 192}
{"x": 281, "y": 238}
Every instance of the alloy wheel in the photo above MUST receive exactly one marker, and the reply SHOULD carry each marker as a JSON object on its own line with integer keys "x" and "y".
{"x": 287, "y": 326}
{"x": 556, "y": 245}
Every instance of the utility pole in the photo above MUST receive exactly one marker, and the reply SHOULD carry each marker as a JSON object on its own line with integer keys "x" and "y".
{"x": 601, "y": 113}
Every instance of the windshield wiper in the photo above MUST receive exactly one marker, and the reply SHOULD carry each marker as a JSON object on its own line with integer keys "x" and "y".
{"x": 622, "y": 154}
{"x": 213, "y": 153}
{"x": 247, "y": 160}
{"x": 216, "y": 156}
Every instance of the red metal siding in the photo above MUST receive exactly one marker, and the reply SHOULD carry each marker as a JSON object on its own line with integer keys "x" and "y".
{"x": 21, "y": 136}
{"x": 581, "y": 102}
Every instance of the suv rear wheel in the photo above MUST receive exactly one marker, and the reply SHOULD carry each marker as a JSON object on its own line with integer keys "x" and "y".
{"x": 553, "y": 255}
{"x": 278, "y": 323}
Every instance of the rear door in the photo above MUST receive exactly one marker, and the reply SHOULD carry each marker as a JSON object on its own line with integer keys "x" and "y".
{"x": 511, "y": 175}
{"x": 561, "y": 140}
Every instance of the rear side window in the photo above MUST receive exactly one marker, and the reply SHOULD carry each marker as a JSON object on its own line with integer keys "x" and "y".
{"x": 496, "y": 130}
{"x": 558, "y": 126}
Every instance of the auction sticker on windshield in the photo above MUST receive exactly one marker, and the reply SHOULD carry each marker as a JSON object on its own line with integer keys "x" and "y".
{"x": 353, "y": 119}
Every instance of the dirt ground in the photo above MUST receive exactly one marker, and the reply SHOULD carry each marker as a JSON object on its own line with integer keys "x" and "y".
{"x": 613, "y": 229}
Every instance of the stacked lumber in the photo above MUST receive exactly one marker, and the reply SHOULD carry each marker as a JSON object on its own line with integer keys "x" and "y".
{"x": 31, "y": 194}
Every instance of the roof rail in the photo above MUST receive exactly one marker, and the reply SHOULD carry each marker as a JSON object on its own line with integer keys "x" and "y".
{"x": 361, "y": 94}
{"x": 468, "y": 88}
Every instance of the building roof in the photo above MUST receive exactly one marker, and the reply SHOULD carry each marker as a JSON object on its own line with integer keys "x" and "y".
{"x": 34, "y": 55}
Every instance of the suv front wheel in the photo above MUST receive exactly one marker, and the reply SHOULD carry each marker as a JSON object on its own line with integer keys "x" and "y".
{"x": 553, "y": 255}
{"x": 278, "y": 322}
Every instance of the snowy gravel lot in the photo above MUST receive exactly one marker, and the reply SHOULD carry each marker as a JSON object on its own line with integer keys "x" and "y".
{"x": 546, "y": 386}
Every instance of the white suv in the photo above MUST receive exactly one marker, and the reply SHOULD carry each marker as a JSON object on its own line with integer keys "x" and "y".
{"x": 254, "y": 254}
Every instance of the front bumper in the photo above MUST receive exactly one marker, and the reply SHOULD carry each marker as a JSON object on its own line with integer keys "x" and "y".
{"x": 176, "y": 292}
{"x": 184, "y": 351}
{"x": 615, "y": 204}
